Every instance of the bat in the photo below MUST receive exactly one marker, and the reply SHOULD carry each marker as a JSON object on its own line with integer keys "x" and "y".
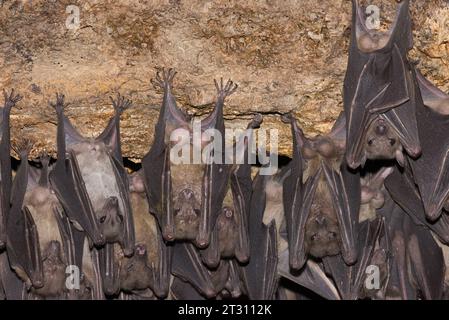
{"x": 5, "y": 161}
{"x": 149, "y": 267}
{"x": 402, "y": 189}
{"x": 92, "y": 186}
{"x": 269, "y": 209}
{"x": 430, "y": 171}
{"x": 185, "y": 198}
{"x": 379, "y": 92}
{"x": 188, "y": 267}
{"x": 418, "y": 264}
{"x": 229, "y": 238}
{"x": 41, "y": 239}
{"x": 350, "y": 280}
{"x": 321, "y": 197}
{"x": 259, "y": 276}
{"x": 12, "y": 285}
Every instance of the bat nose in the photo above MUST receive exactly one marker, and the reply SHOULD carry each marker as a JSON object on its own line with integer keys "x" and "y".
{"x": 381, "y": 129}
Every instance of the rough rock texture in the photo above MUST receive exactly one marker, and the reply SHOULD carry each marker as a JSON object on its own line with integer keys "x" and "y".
{"x": 285, "y": 55}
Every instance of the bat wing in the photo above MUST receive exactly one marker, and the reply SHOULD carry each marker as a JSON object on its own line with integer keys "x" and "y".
{"x": 66, "y": 180}
{"x": 311, "y": 277}
{"x": 418, "y": 264}
{"x": 260, "y": 274}
{"x": 187, "y": 265}
{"x": 14, "y": 288}
{"x": 216, "y": 175}
{"x": 156, "y": 163}
{"x": 378, "y": 80}
{"x": 109, "y": 269}
{"x": 121, "y": 177}
{"x": 297, "y": 199}
{"x": 426, "y": 261}
{"x": 71, "y": 192}
{"x": 22, "y": 238}
{"x": 344, "y": 186}
{"x": 183, "y": 290}
{"x": 161, "y": 272}
{"x": 431, "y": 169}
{"x": 349, "y": 279}
{"x": 404, "y": 192}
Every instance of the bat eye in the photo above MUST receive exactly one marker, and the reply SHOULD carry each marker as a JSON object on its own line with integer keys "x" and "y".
{"x": 370, "y": 142}
{"x": 313, "y": 237}
{"x": 102, "y": 219}
{"x": 392, "y": 142}
{"x": 120, "y": 217}
{"x": 332, "y": 235}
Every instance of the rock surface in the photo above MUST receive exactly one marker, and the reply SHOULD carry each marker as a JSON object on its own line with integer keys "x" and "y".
{"x": 284, "y": 54}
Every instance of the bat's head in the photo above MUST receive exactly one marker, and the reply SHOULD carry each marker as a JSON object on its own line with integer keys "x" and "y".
{"x": 382, "y": 142}
{"x": 227, "y": 232}
{"x": 135, "y": 273}
{"x": 111, "y": 220}
{"x": 54, "y": 271}
{"x": 187, "y": 211}
{"x": 322, "y": 236}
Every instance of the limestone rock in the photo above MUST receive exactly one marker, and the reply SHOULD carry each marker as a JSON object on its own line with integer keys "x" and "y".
{"x": 286, "y": 55}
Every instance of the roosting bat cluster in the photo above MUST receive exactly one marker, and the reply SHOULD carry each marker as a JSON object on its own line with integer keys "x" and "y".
{"x": 360, "y": 213}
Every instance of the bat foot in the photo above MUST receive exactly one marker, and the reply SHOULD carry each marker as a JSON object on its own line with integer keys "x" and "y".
{"x": 120, "y": 104}
{"x": 225, "y": 90}
{"x": 23, "y": 148}
{"x": 166, "y": 80}
{"x": 59, "y": 105}
{"x": 11, "y": 99}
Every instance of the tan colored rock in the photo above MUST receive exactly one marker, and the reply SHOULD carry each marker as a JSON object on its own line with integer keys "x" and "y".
{"x": 285, "y": 54}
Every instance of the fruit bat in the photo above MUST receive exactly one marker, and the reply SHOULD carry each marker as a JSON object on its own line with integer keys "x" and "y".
{"x": 373, "y": 251}
{"x": 321, "y": 197}
{"x": 259, "y": 276}
{"x": 208, "y": 283}
{"x": 40, "y": 236}
{"x": 5, "y": 161}
{"x": 430, "y": 171}
{"x": 418, "y": 266}
{"x": 379, "y": 91}
{"x": 403, "y": 190}
{"x": 311, "y": 277}
{"x": 186, "y": 198}
{"x": 229, "y": 238}
{"x": 92, "y": 186}
{"x": 149, "y": 267}
{"x": 12, "y": 285}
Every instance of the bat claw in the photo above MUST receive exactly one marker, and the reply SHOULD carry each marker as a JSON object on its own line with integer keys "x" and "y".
{"x": 166, "y": 79}
{"x": 223, "y": 91}
{"x": 59, "y": 105}
{"x": 23, "y": 148}
{"x": 120, "y": 104}
{"x": 11, "y": 99}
